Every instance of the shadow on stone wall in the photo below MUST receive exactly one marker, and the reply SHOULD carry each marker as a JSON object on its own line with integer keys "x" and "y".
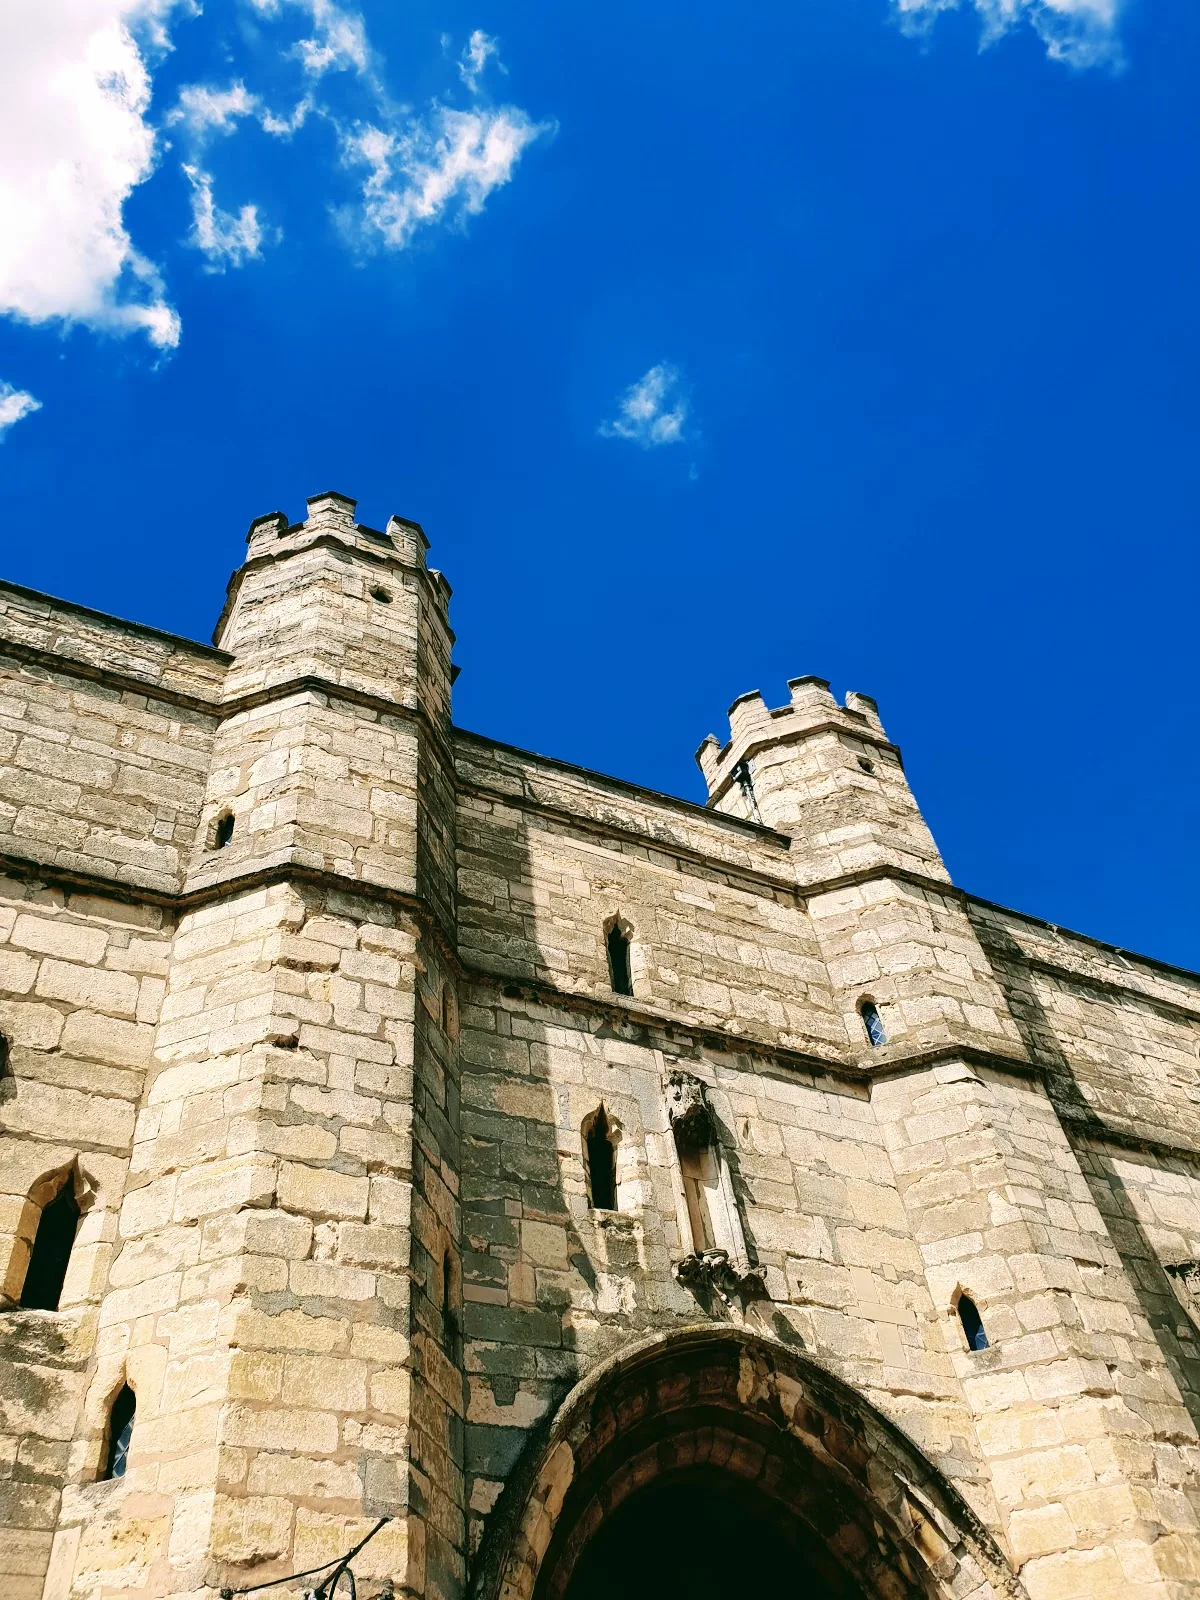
{"x": 1087, "y": 1133}
{"x": 560, "y": 1288}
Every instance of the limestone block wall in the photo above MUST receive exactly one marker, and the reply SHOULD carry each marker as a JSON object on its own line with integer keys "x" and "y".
{"x": 552, "y": 1286}
{"x": 81, "y": 983}
{"x": 104, "y": 779}
{"x": 1092, "y": 1451}
{"x": 548, "y": 859}
{"x": 910, "y": 948}
{"x": 1118, "y": 1035}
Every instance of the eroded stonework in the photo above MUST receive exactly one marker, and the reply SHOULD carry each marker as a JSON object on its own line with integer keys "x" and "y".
{"x": 307, "y": 1008}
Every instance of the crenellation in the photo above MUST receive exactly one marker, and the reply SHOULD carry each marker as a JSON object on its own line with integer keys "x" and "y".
{"x": 311, "y": 1004}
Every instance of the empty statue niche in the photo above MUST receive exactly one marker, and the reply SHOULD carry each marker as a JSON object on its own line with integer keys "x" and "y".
{"x": 706, "y": 1186}
{"x": 222, "y": 831}
{"x": 119, "y": 1432}
{"x": 52, "y": 1244}
{"x": 872, "y": 1022}
{"x": 600, "y": 1160}
{"x": 972, "y": 1323}
{"x": 618, "y": 939}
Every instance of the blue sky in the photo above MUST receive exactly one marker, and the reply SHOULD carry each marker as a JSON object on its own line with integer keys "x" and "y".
{"x": 711, "y": 344}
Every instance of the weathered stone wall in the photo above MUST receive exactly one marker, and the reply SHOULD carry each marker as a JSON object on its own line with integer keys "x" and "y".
{"x": 81, "y": 983}
{"x": 322, "y": 1094}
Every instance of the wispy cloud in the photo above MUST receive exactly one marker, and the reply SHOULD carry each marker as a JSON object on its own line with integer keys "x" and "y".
{"x": 443, "y": 166}
{"x": 339, "y": 38}
{"x": 205, "y": 112}
{"x": 202, "y": 108}
{"x": 1082, "y": 33}
{"x": 477, "y": 52}
{"x": 15, "y": 404}
{"x": 75, "y": 141}
{"x": 653, "y": 411}
{"x": 226, "y": 238}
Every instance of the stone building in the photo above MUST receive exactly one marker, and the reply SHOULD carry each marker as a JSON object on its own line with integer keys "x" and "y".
{"x": 398, "y": 1125}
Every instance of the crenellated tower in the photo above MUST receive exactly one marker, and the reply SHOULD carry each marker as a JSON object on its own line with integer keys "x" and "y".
{"x": 288, "y": 1245}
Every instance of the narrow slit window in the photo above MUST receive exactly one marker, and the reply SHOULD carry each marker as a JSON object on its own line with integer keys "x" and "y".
{"x": 601, "y": 1162}
{"x": 3, "y": 1054}
{"x": 972, "y": 1323}
{"x": 120, "y": 1432}
{"x": 223, "y": 830}
{"x": 448, "y": 1327}
{"x": 619, "y": 973}
{"x": 872, "y": 1022}
{"x": 51, "y": 1252}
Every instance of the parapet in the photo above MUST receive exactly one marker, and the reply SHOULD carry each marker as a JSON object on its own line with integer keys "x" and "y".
{"x": 331, "y": 515}
{"x": 811, "y": 709}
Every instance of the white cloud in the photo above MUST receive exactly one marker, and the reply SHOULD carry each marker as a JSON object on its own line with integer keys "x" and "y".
{"x": 74, "y": 143}
{"x": 203, "y": 109}
{"x": 285, "y": 127}
{"x": 203, "y": 112}
{"x": 478, "y": 50}
{"x": 1083, "y": 33}
{"x": 448, "y": 164}
{"x": 14, "y": 404}
{"x": 653, "y": 411}
{"x": 227, "y": 240}
{"x": 339, "y": 37}
{"x": 76, "y": 140}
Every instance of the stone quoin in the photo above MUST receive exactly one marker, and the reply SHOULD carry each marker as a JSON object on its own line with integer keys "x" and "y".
{"x": 398, "y": 1125}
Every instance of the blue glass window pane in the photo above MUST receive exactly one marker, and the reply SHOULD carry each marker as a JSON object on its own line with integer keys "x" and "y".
{"x": 873, "y": 1023}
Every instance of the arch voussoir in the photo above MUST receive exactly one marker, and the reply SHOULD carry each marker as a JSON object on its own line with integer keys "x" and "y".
{"x": 873, "y": 1515}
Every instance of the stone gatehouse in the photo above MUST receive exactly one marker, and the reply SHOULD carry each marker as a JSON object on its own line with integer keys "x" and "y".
{"x": 403, "y": 1131}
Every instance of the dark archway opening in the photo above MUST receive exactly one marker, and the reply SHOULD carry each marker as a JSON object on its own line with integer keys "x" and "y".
{"x": 699, "y": 1535}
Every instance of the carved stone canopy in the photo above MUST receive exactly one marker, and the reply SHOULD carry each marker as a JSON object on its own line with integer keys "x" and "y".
{"x": 688, "y": 1110}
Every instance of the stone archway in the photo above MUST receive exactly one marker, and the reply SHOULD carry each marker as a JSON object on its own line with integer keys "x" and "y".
{"x": 728, "y": 1411}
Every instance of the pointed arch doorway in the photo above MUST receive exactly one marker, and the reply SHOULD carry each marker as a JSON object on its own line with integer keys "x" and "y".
{"x": 696, "y": 1536}
{"x": 714, "y": 1460}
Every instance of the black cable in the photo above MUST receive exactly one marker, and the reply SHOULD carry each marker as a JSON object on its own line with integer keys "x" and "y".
{"x": 342, "y": 1563}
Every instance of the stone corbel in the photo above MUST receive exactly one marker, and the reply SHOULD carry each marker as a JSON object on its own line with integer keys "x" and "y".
{"x": 709, "y": 1273}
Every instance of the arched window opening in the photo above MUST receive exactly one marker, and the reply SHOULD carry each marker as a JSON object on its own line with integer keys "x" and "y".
{"x": 972, "y": 1323}
{"x": 600, "y": 1159}
{"x": 619, "y": 972}
{"x": 222, "y": 830}
{"x": 120, "y": 1432}
{"x": 872, "y": 1022}
{"x": 51, "y": 1251}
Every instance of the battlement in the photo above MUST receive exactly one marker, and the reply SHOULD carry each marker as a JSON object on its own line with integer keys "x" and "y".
{"x": 331, "y": 516}
{"x": 811, "y": 709}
